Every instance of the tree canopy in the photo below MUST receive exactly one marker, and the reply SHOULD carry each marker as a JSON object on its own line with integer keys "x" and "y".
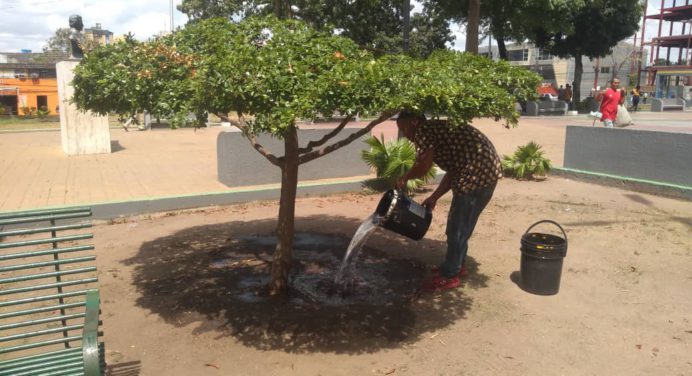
{"x": 278, "y": 72}
{"x": 60, "y": 42}
{"x": 596, "y": 26}
{"x": 376, "y": 25}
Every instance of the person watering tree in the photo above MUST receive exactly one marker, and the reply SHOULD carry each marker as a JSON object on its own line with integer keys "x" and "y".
{"x": 473, "y": 168}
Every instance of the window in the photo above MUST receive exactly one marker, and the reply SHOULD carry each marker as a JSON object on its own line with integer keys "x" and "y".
{"x": 518, "y": 55}
{"x": 41, "y": 101}
{"x": 543, "y": 55}
{"x": 605, "y": 69}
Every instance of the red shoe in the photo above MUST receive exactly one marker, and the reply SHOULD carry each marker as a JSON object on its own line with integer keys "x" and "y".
{"x": 437, "y": 283}
{"x": 463, "y": 272}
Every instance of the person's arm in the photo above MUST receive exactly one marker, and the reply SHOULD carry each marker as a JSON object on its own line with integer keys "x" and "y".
{"x": 444, "y": 187}
{"x": 423, "y": 164}
{"x": 599, "y": 96}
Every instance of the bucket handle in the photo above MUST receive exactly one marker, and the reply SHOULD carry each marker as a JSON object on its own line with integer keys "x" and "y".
{"x": 548, "y": 221}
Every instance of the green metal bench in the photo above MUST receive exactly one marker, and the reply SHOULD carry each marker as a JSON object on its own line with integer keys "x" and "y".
{"x": 49, "y": 304}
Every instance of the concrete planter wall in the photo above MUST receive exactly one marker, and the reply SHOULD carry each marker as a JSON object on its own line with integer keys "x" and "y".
{"x": 239, "y": 164}
{"x": 650, "y": 155}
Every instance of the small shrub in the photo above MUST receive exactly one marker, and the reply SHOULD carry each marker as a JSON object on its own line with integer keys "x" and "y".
{"x": 528, "y": 162}
{"x": 391, "y": 160}
{"x": 28, "y": 112}
{"x": 3, "y": 110}
{"x": 42, "y": 112}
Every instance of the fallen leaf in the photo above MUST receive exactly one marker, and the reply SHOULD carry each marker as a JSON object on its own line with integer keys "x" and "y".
{"x": 391, "y": 371}
{"x": 212, "y": 365}
{"x": 639, "y": 347}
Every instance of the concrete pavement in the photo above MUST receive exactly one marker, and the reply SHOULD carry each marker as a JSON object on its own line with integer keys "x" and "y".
{"x": 165, "y": 164}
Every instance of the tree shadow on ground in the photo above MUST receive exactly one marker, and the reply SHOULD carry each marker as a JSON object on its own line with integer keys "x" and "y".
{"x": 212, "y": 277}
{"x": 124, "y": 369}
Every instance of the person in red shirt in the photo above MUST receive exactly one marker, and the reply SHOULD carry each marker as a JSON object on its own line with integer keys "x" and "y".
{"x": 610, "y": 99}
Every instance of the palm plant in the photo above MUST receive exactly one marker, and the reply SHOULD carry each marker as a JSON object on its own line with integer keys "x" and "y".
{"x": 528, "y": 161}
{"x": 391, "y": 160}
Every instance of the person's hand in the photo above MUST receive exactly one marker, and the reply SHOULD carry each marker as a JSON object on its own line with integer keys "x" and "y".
{"x": 430, "y": 203}
{"x": 401, "y": 183}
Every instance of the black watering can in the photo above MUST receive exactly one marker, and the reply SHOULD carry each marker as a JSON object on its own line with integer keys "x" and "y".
{"x": 399, "y": 213}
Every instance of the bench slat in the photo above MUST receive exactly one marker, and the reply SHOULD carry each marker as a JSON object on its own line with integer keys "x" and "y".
{"x": 46, "y": 275}
{"x": 31, "y": 359}
{"x": 46, "y": 366}
{"x": 34, "y": 299}
{"x": 39, "y": 230}
{"x": 16, "y": 325}
{"x": 37, "y": 333}
{"x": 42, "y": 212}
{"x": 64, "y": 371}
{"x": 31, "y": 311}
{"x": 42, "y": 218}
{"x": 35, "y": 265}
{"x": 34, "y": 345}
{"x": 56, "y": 239}
{"x": 48, "y": 286}
{"x": 78, "y": 248}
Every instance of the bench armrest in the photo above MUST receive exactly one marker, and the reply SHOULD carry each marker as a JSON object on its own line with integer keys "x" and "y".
{"x": 90, "y": 337}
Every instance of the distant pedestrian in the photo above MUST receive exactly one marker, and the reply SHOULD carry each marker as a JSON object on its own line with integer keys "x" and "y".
{"x": 610, "y": 99}
{"x": 568, "y": 96}
{"x": 635, "y": 98}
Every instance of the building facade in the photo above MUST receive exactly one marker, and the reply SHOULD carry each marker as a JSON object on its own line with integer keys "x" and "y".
{"x": 28, "y": 82}
{"x": 670, "y": 68}
{"x": 622, "y": 63}
{"x": 99, "y": 35}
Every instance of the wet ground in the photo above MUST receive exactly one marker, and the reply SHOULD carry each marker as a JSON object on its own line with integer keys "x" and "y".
{"x": 206, "y": 278}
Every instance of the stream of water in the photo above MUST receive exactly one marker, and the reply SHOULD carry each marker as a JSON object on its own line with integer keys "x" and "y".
{"x": 345, "y": 276}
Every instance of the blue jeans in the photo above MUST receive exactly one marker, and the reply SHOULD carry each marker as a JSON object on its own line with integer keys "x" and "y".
{"x": 461, "y": 220}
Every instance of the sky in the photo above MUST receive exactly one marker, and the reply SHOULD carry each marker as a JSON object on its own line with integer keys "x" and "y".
{"x": 27, "y": 24}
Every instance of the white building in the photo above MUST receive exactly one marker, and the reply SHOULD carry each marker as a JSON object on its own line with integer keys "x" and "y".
{"x": 597, "y": 72}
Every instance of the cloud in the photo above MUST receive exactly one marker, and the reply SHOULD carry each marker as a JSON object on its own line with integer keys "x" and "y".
{"x": 27, "y": 24}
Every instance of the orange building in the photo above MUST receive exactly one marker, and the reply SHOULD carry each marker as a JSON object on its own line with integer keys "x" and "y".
{"x": 18, "y": 94}
{"x": 27, "y": 82}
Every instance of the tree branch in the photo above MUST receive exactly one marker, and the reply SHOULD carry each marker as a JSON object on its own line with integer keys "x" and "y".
{"x": 240, "y": 124}
{"x": 335, "y": 146}
{"x": 327, "y": 137}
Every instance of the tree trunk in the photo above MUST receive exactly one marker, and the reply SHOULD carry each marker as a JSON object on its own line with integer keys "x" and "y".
{"x": 576, "y": 89}
{"x": 472, "y": 26}
{"x": 502, "y": 48}
{"x": 281, "y": 264}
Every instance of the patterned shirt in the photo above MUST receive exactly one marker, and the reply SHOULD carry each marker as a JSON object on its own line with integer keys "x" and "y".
{"x": 462, "y": 151}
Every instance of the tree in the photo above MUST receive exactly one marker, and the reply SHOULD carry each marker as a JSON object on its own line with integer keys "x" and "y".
{"x": 373, "y": 24}
{"x": 596, "y": 27}
{"x": 60, "y": 42}
{"x": 272, "y": 73}
{"x": 474, "y": 19}
{"x": 505, "y": 20}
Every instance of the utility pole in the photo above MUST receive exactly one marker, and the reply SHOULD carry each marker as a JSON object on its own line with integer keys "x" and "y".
{"x": 172, "y": 26}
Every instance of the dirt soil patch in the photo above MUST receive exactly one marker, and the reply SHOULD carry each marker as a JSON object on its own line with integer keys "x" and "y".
{"x": 180, "y": 291}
